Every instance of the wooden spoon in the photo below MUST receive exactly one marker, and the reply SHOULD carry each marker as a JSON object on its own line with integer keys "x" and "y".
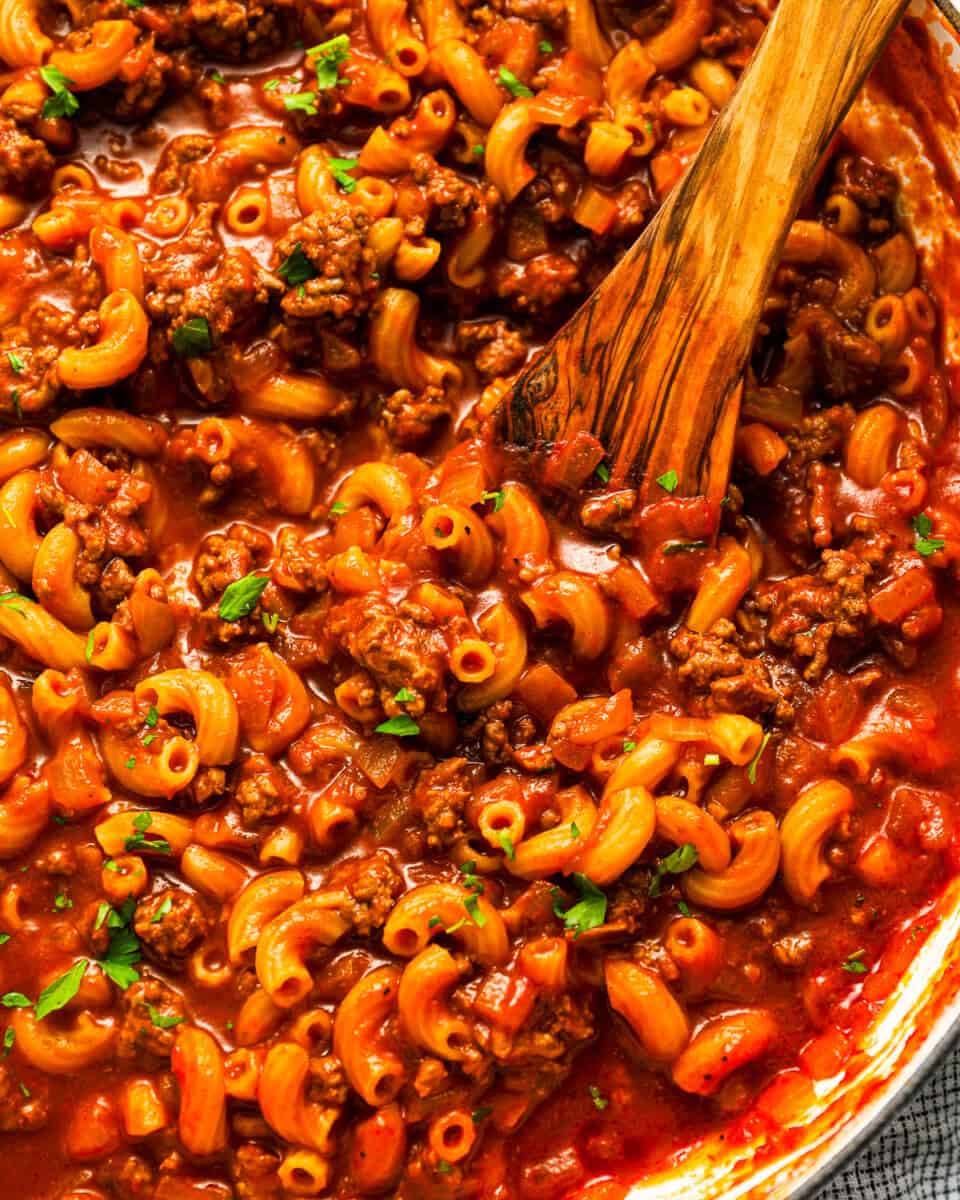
{"x": 651, "y": 364}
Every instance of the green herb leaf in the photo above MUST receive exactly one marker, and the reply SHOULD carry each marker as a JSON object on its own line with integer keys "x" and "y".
{"x": 628, "y": 747}
{"x": 4, "y": 938}
{"x": 141, "y": 823}
{"x": 599, "y": 1101}
{"x": 305, "y": 102}
{"x": 755, "y": 761}
{"x": 497, "y": 498}
{"x": 339, "y": 169}
{"x": 711, "y": 760}
{"x": 404, "y": 696}
{"x": 338, "y": 508}
{"x": 63, "y": 103}
{"x": 15, "y": 401}
{"x": 9, "y": 1036}
{"x": 327, "y": 58}
{"x": 88, "y": 649}
{"x": 456, "y": 925}
{"x": 61, "y": 991}
{"x": 7, "y": 599}
{"x": 684, "y": 908}
{"x": 131, "y": 763}
{"x": 240, "y": 598}
{"x": 603, "y": 473}
{"x": 152, "y": 717}
{"x": 216, "y": 76}
{"x": 506, "y": 841}
{"x": 546, "y": 47}
{"x": 443, "y": 1167}
{"x": 513, "y": 84}
{"x": 669, "y": 480}
{"x": 682, "y": 859}
{"x": 434, "y": 922}
{"x": 472, "y": 905}
{"x": 102, "y": 913}
{"x": 16, "y": 362}
{"x": 479, "y": 151}
{"x": 192, "y": 339}
{"x": 924, "y": 544}
{"x": 123, "y": 953}
{"x": 853, "y": 964}
{"x": 574, "y": 829}
{"x": 481, "y": 1114}
{"x": 162, "y": 911}
{"x": 402, "y": 726}
{"x": 684, "y": 547}
{"x": 62, "y": 902}
{"x": 296, "y": 267}
{"x": 15, "y": 1000}
{"x": 161, "y": 1020}
{"x": 270, "y": 621}
{"x": 589, "y": 911}
{"x": 272, "y": 84}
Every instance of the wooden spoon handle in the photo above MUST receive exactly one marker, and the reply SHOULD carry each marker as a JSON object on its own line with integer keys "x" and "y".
{"x": 651, "y": 363}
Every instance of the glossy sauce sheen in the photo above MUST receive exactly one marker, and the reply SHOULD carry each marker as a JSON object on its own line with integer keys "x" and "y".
{"x": 503, "y": 957}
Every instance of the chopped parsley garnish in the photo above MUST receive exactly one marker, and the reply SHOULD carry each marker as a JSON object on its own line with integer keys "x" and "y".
{"x": 88, "y": 649}
{"x": 152, "y": 717}
{"x": 600, "y": 1102}
{"x": 305, "y": 102}
{"x": 669, "y": 480}
{"x": 272, "y": 84}
{"x": 296, "y": 267}
{"x": 586, "y": 913}
{"x": 481, "y": 1114}
{"x": 63, "y": 103}
{"x": 684, "y": 908}
{"x": 471, "y": 879}
{"x": 162, "y": 911}
{"x": 7, "y": 598}
{"x": 402, "y": 726}
{"x": 711, "y": 760}
{"x": 479, "y": 151}
{"x": 240, "y": 598}
{"x": 4, "y": 938}
{"x": 62, "y": 901}
{"x": 755, "y": 761}
{"x": 924, "y": 544}
{"x": 139, "y": 840}
{"x": 443, "y": 1167}
{"x": 603, "y": 473}
{"x": 327, "y": 58}
{"x": 9, "y": 1037}
{"x": 629, "y": 746}
{"x": 434, "y": 922}
{"x": 338, "y": 508}
{"x": 131, "y": 763}
{"x": 472, "y": 905}
{"x": 192, "y": 338}
{"x": 15, "y": 401}
{"x": 682, "y": 859}
{"x": 123, "y": 953}
{"x": 574, "y": 829}
{"x": 456, "y": 925}
{"x": 15, "y": 1000}
{"x": 513, "y": 85}
{"x": 270, "y": 621}
{"x": 102, "y": 913}
{"x": 218, "y": 77}
{"x": 506, "y": 841}
{"x": 684, "y": 547}
{"x": 546, "y": 47}
{"x": 497, "y": 498}
{"x": 59, "y": 993}
{"x": 339, "y": 169}
{"x": 16, "y": 362}
{"x": 404, "y": 696}
{"x": 150, "y": 738}
{"x": 161, "y": 1020}
{"x": 853, "y": 964}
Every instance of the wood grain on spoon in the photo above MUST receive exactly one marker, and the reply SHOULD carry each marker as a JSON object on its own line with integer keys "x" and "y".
{"x": 651, "y": 364}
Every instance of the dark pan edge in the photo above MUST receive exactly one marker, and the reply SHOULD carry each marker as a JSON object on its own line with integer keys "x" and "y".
{"x": 901, "y": 1090}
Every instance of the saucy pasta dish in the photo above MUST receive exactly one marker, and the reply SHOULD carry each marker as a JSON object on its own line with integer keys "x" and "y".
{"x": 382, "y": 816}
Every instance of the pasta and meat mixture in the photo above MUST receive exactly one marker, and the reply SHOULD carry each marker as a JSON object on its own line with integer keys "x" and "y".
{"x": 383, "y": 815}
